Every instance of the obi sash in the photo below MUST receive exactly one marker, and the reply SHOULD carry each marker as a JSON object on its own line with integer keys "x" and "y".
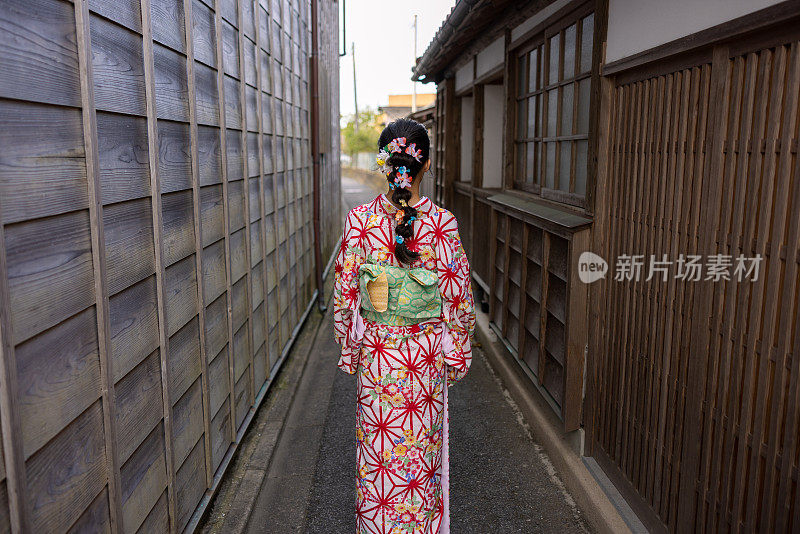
{"x": 404, "y": 296}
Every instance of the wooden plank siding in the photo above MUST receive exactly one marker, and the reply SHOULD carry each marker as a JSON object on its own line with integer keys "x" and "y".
{"x": 538, "y": 305}
{"x": 156, "y": 247}
{"x": 692, "y": 392}
{"x": 694, "y": 384}
{"x": 529, "y": 278}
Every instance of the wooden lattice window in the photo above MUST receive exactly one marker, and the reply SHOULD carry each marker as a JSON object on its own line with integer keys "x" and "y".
{"x": 551, "y": 138}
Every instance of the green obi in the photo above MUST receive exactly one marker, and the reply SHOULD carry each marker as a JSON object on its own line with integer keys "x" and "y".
{"x": 412, "y": 298}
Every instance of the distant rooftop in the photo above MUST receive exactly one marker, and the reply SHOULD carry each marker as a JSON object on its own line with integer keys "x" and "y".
{"x": 400, "y": 106}
{"x": 423, "y": 100}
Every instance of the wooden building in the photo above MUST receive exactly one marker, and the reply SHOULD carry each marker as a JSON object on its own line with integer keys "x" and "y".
{"x": 398, "y": 106}
{"x": 425, "y": 116}
{"x": 639, "y": 127}
{"x": 157, "y": 244}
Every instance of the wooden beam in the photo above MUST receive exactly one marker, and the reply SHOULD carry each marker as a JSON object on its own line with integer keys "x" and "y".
{"x": 246, "y": 201}
{"x": 557, "y": 178}
{"x": 261, "y": 189}
{"x": 223, "y": 144}
{"x": 509, "y": 112}
{"x": 198, "y": 237}
{"x": 598, "y": 291}
{"x": 477, "y": 137}
{"x": 540, "y": 372}
{"x": 158, "y": 229}
{"x": 596, "y": 103}
{"x": 16, "y": 483}
{"x": 523, "y": 288}
{"x": 492, "y": 258}
{"x": 276, "y": 256}
{"x": 575, "y": 328}
{"x": 452, "y": 140}
{"x": 97, "y": 230}
{"x": 506, "y": 274}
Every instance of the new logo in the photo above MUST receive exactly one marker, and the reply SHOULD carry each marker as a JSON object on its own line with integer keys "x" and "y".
{"x": 591, "y": 267}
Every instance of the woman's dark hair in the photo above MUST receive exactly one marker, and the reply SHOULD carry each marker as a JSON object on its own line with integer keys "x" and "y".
{"x": 416, "y": 134}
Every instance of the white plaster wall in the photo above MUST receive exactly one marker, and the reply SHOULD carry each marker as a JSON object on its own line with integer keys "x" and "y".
{"x": 492, "y": 135}
{"x": 491, "y": 56}
{"x": 638, "y": 25}
{"x": 539, "y": 17}
{"x": 464, "y": 75}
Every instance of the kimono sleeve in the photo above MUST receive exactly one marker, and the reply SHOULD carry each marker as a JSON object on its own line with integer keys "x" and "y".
{"x": 348, "y": 327}
{"x": 458, "y": 309}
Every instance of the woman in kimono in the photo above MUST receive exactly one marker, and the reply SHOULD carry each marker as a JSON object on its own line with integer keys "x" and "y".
{"x": 403, "y": 314}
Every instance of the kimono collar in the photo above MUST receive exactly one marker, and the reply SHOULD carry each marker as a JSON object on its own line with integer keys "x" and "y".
{"x": 424, "y": 206}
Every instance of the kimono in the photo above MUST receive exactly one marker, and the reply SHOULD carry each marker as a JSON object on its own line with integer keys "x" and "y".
{"x": 403, "y": 371}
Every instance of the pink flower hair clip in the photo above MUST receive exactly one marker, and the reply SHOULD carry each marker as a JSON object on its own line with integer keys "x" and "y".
{"x": 396, "y": 144}
{"x": 413, "y": 152}
{"x": 402, "y": 179}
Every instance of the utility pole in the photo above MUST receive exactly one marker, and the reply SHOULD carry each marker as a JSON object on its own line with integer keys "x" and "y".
{"x": 414, "y": 96}
{"x": 355, "y": 96}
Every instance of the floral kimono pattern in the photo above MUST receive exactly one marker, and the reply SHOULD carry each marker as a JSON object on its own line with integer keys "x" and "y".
{"x": 403, "y": 371}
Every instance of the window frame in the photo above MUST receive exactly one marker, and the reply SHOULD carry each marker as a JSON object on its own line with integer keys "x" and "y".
{"x": 541, "y": 41}
{"x": 467, "y": 92}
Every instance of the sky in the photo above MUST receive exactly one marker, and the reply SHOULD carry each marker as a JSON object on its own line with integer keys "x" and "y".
{"x": 383, "y": 34}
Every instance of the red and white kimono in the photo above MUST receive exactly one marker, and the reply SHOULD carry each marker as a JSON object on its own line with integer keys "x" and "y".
{"x": 402, "y": 463}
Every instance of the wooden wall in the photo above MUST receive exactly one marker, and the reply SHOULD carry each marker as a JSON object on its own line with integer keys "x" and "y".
{"x": 441, "y": 136}
{"x": 156, "y": 247}
{"x": 330, "y": 186}
{"x": 696, "y": 383}
{"x": 537, "y": 303}
{"x": 523, "y": 251}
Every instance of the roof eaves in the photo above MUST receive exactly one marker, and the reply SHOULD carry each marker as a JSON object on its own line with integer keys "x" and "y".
{"x": 457, "y": 15}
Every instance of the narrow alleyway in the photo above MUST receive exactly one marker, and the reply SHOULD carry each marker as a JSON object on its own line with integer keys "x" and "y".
{"x": 501, "y": 481}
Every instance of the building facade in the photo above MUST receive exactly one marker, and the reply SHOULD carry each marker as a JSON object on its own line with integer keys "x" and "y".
{"x": 660, "y": 129}
{"x": 158, "y": 251}
{"x": 398, "y": 106}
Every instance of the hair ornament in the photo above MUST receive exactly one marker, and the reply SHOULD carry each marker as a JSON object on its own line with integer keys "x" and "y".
{"x": 399, "y": 215}
{"x": 402, "y": 179}
{"x": 383, "y": 161}
{"x": 413, "y": 152}
{"x": 403, "y": 202}
{"x": 399, "y": 239}
{"x": 396, "y": 144}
